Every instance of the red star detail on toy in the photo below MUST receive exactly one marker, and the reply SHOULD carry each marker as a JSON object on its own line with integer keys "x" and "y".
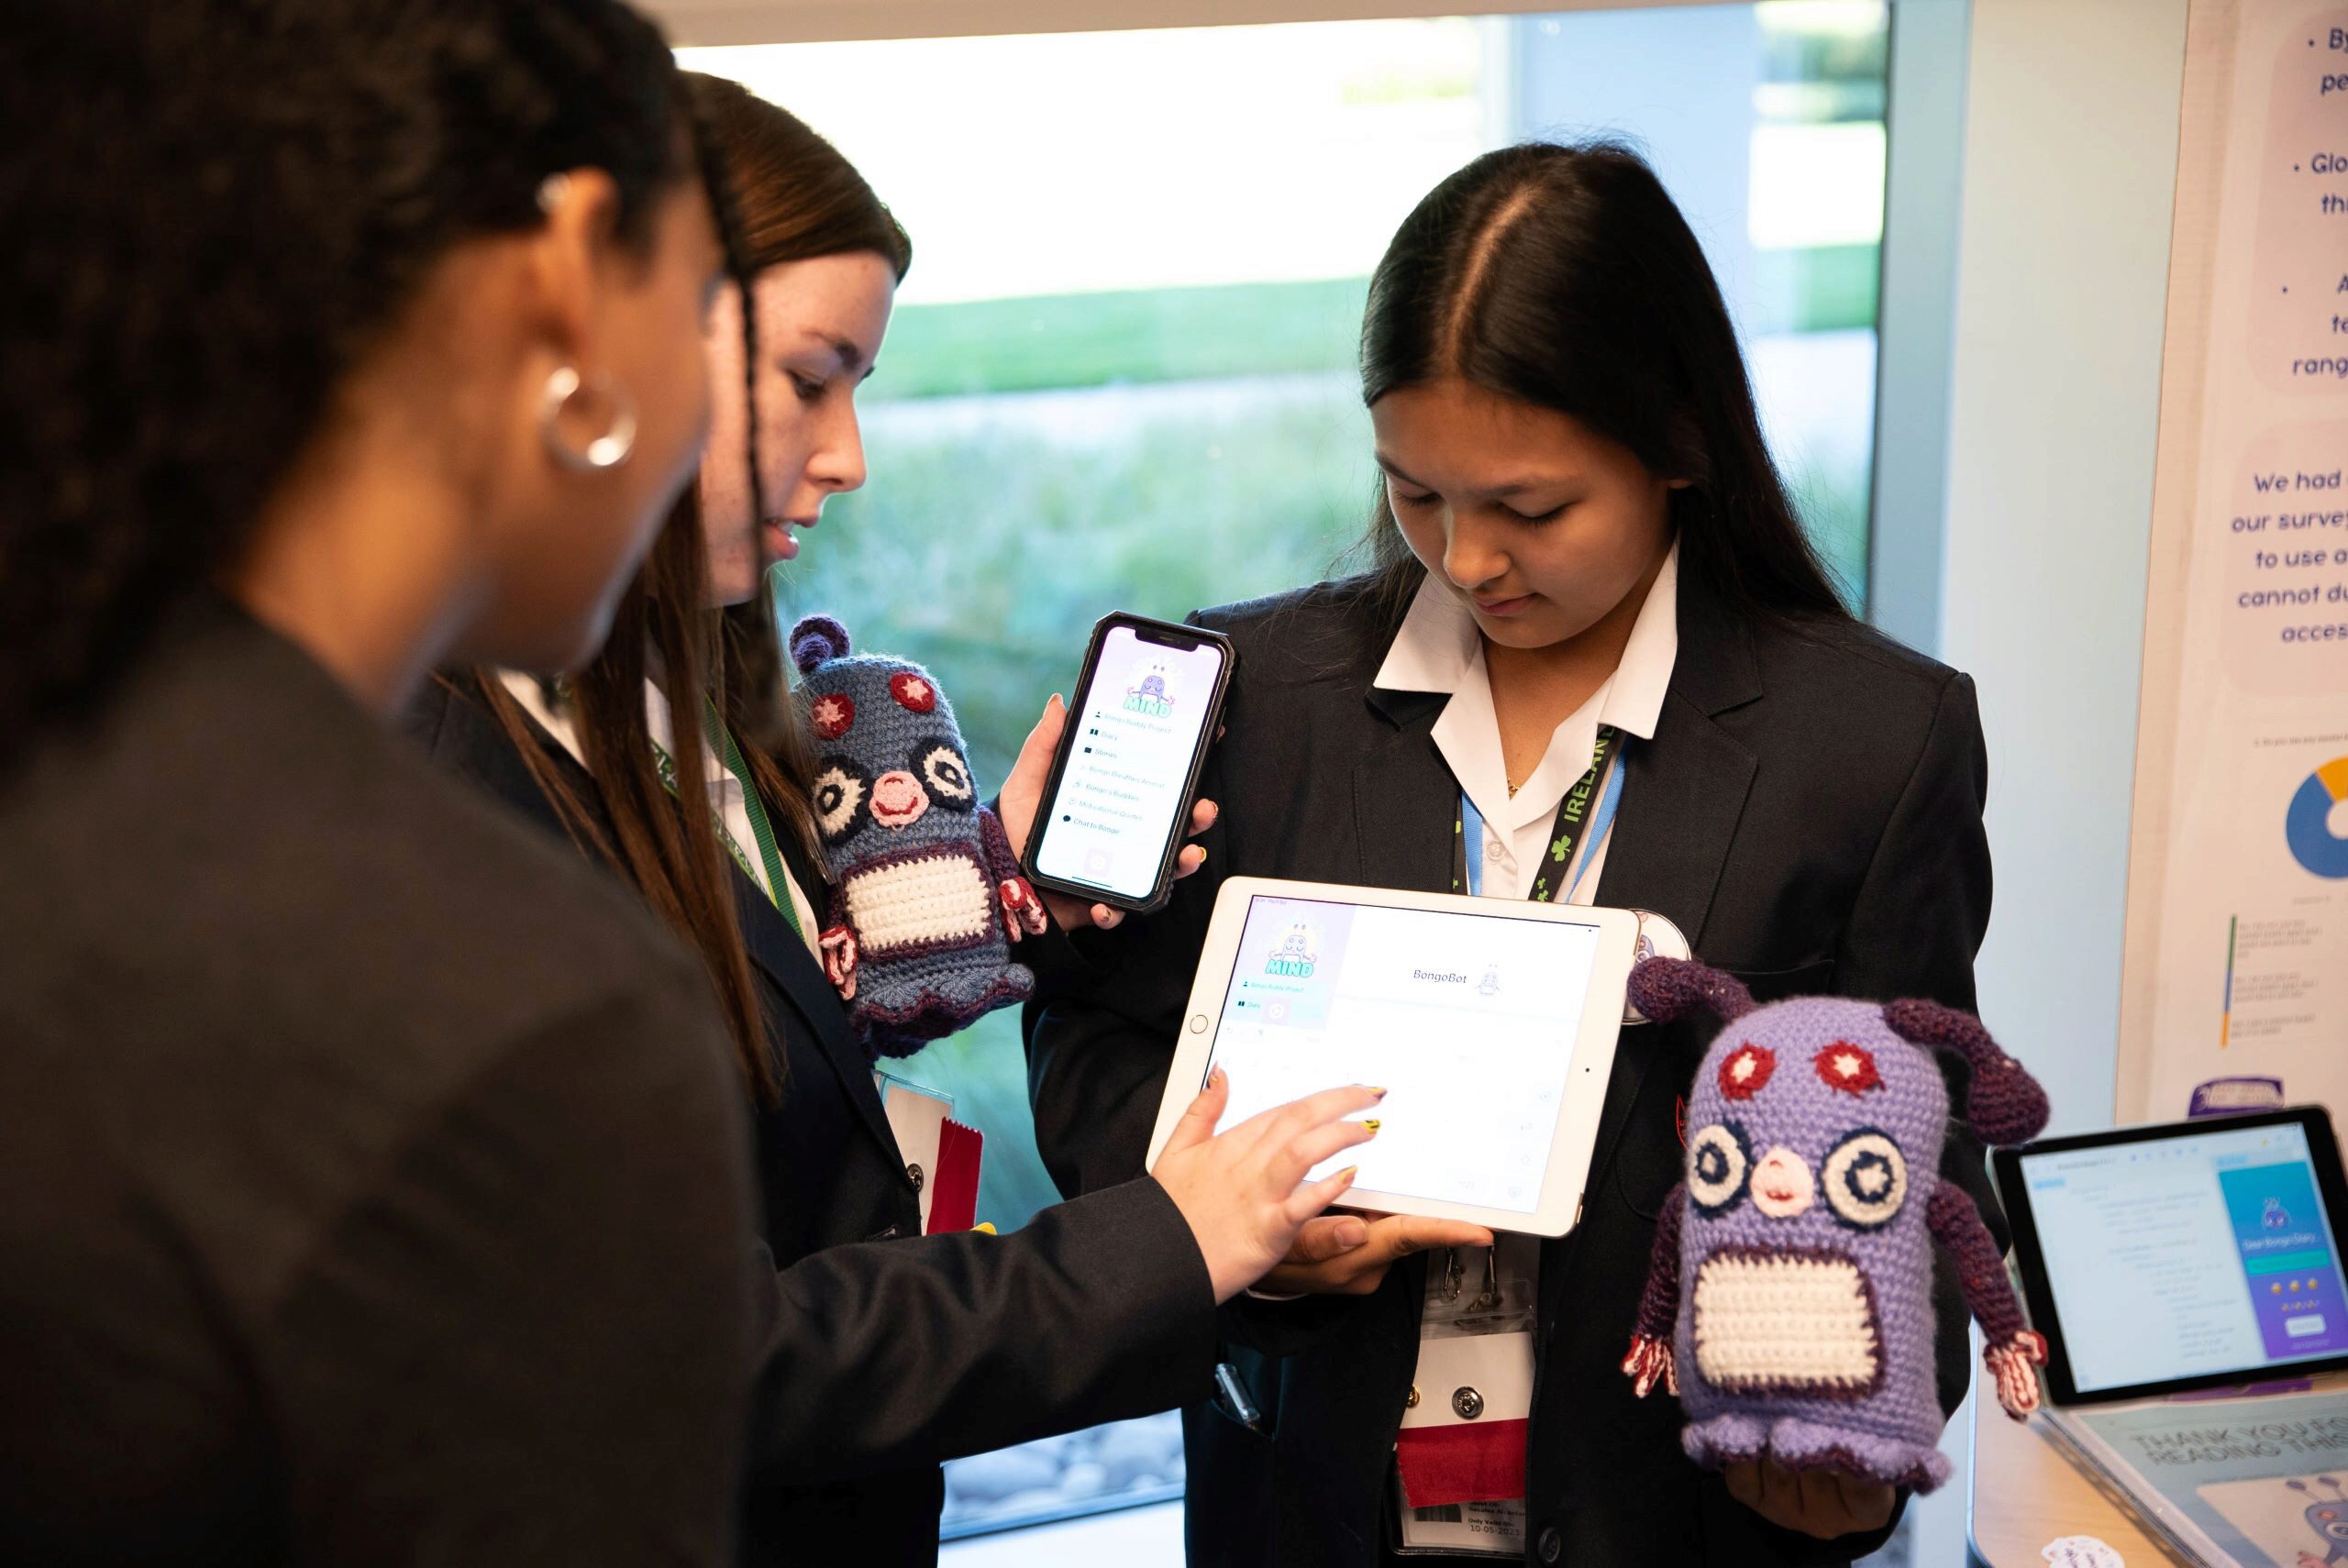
{"x": 913, "y": 692}
{"x": 831, "y": 714}
{"x": 1746, "y": 1069}
{"x": 1848, "y": 1067}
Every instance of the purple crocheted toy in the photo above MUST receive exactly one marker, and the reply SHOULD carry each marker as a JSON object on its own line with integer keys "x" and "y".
{"x": 926, "y": 896}
{"x": 1789, "y": 1303}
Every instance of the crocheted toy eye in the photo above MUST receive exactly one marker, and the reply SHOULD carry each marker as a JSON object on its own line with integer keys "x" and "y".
{"x": 1848, "y": 1067}
{"x": 831, "y": 714}
{"x": 843, "y": 800}
{"x": 913, "y": 692}
{"x": 1865, "y": 1179}
{"x": 1719, "y": 1158}
{"x": 1746, "y": 1070}
{"x": 941, "y": 767}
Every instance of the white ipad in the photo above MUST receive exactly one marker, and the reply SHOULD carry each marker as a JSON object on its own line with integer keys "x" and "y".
{"x": 1490, "y": 1022}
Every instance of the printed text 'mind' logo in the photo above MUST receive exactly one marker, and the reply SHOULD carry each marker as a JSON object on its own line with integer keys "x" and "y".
{"x": 1150, "y": 697}
{"x": 1298, "y": 952}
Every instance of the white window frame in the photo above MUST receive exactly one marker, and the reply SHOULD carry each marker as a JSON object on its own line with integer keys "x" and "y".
{"x": 706, "y": 22}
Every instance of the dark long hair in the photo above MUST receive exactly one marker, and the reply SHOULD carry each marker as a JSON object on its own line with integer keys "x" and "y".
{"x": 214, "y": 209}
{"x": 784, "y": 195}
{"x": 1563, "y": 276}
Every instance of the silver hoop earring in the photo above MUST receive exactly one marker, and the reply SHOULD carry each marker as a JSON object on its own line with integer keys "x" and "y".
{"x": 609, "y": 450}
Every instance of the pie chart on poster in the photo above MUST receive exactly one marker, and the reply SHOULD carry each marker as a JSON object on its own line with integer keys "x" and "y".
{"x": 2308, "y": 827}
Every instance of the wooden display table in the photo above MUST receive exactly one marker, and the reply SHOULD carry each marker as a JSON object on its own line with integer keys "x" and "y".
{"x": 2027, "y": 1494}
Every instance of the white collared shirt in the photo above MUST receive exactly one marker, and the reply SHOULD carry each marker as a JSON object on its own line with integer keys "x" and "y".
{"x": 726, "y": 796}
{"x": 1439, "y": 649}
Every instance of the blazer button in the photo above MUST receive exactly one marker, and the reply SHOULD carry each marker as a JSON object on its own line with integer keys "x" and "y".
{"x": 1553, "y": 1545}
{"x": 913, "y": 1174}
{"x": 1466, "y": 1403}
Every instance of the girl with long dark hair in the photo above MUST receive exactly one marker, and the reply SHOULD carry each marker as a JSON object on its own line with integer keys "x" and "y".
{"x": 371, "y": 1184}
{"x": 1590, "y": 587}
{"x": 878, "y": 1360}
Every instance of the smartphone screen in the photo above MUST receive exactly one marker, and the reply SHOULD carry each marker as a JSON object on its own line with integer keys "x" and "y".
{"x": 1137, "y": 723}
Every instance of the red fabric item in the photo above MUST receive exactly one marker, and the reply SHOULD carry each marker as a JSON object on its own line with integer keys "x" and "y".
{"x": 954, "y": 1188}
{"x": 1475, "y": 1461}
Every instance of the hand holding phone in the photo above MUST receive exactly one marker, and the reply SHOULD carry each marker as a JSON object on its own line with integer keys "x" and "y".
{"x": 1023, "y": 792}
{"x": 1148, "y": 706}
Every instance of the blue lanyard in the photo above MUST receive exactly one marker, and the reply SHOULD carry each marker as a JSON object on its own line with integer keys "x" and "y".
{"x": 1471, "y": 832}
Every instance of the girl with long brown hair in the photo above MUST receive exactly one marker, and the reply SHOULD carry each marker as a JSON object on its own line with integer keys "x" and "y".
{"x": 880, "y": 1360}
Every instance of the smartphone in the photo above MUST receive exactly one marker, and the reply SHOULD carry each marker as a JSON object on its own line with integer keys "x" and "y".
{"x": 1118, "y": 801}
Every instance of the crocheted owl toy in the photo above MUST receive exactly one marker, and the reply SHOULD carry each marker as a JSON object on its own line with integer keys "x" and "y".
{"x": 926, "y": 896}
{"x": 1789, "y": 1300}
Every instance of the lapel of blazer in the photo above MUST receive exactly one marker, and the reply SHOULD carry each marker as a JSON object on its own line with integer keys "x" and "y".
{"x": 1403, "y": 790}
{"x": 782, "y": 954}
{"x": 1684, "y": 791}
{"x": 1683, "y": 796}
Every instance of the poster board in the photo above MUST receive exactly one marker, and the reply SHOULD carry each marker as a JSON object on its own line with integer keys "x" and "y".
{"x": 2235, "y": 969}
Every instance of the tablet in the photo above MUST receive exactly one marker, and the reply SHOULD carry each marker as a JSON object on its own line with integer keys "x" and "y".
{"x": 1492, "y": 1023}
{"x": 2195, "y": 1254}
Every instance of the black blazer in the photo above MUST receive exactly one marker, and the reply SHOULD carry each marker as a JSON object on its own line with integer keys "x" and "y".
{"x": 880, "y": 1361}
{"x": 1808, "y": 813}
{"x": 372, "y": 1176}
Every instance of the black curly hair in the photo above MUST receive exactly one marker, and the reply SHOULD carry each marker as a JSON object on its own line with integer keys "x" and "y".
{"x": 213, "y": 209}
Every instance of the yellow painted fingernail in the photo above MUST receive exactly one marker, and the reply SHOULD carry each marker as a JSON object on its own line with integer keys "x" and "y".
{"x": 1372, "y": 1123}
{"x": 1349, "y": 1173}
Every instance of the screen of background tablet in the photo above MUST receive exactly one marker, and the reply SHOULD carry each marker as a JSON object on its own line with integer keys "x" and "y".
{"x": 2208, "y": 1251}
{"x": 1469, "y": 1021}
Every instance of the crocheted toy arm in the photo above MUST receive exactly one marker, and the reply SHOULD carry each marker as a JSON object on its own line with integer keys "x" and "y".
{"x": 2013, "y": 1348}
{"x": 1022, "y": 912}
{"x": 1650, "y": 1359}
{"x": 839, "y": 946}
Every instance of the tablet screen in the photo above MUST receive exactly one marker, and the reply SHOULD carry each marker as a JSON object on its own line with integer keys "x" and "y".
{"x": 1469, "y": 1021}
{"x": 2207, "y": 1252}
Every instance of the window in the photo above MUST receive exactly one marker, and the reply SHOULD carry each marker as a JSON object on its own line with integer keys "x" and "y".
{"x": 1121, "y": 374}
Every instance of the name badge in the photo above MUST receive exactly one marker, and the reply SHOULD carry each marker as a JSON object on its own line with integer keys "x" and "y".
{"x": 1460, "y": 1457}
{"x": 942, "y": 1156}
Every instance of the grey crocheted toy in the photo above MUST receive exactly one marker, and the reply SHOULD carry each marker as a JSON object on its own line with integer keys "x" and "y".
{"x": 1790, "y": 1304}
{"x": 926, "y": 895}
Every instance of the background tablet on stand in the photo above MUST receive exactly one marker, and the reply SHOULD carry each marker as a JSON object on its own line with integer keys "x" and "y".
{"x": 2193, "y": 1254}
{"x": 2188, "y": 1279}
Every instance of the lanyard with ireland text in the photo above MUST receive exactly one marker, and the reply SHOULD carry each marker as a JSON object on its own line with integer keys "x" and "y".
{"x": 761, "y": 829}
{"x": 1577, "y": 823}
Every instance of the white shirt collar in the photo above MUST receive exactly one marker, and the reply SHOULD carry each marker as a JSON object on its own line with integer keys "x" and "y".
{"x": 1439, "y": 649}
{"x": 723, "y": 791}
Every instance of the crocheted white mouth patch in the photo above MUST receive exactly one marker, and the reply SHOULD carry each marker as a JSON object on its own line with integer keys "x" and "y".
{"x": 1786, "y": 1322}
{"x": 936, "y": 899}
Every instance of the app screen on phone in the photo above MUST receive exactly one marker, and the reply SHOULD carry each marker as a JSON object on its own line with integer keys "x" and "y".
{"x": 1128, "y": 763}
